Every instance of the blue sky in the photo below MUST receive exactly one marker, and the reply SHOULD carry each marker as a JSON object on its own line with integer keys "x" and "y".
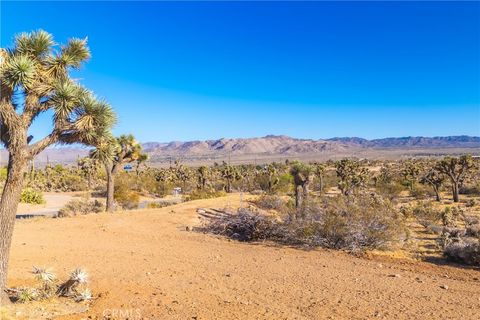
{"x": 206, "y": 70}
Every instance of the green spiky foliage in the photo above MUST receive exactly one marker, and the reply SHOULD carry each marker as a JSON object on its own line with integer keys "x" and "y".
{"x": 352, "y": 176}
{"x": 88, "y": 168}
{"x": 183, "y": 174}
{"x": 410, "y": 172}
{"x": 35, "y": 79}
{"x": 456, "y": 170}
{"x": 141, "y": 160}
{"x": 386, "y": 175}
{"x": 113, "y": 152}
{"x": 270, "y": 177}
{"x": 229, "y": 174}
{"x": 203, "y": 175}
{"x": 301, "y": 174}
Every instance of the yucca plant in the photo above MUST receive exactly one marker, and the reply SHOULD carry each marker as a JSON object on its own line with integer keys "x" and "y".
{"x": 26, "y": 294}
{"x": 69, "y": 287}
{"x": 47, "y": 281}
{"x": 84, "y": 295}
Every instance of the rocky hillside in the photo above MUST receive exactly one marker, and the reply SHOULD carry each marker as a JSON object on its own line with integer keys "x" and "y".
{"x": 284, "y": 145}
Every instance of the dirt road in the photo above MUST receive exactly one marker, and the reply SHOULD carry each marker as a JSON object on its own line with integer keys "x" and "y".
{"x": 144, "y": 265}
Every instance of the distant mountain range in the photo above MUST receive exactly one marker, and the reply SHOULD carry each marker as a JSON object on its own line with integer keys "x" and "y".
{"x": 272, "y": 144}
{"x": 278, "y": 147}
{"x": 272, "y": 147}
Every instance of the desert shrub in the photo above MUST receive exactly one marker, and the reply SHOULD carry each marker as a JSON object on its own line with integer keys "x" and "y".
{"x": 285, "y": 182}
{"x": 473, "y": 230}
{"x": 126, "y": 197}
{"x": 362, "y": 222}
{"x": 269, "y": 202}
{"x": 466, "y": 251}
{"x": 426, "y": 213}
{"x": 421, "y": 192}
{"x": 450, "y": 216}
{"x": 31, "y": 196}
{"x": 245, "y": 225}
{"x": 160, "y": 204}
{"x": 199, "y": 194}
{"x": 389, "y": 190}
{"x": 353, "y": 223}
{"x": 80, "y": 207}
{"x": 470, "y": 203}
{"x": 470, "y": 190}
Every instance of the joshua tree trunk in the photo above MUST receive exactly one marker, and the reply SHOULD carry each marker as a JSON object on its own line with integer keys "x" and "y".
{"x": 8, "y": 209}
{"x": 321, "y": 183}
{"x": 305, "y": 191}
{"x": 110, "y": 169}
{"x": 298, "y": 197}
{"x": 455, "y": 191}
{"x": 437, "y": 193}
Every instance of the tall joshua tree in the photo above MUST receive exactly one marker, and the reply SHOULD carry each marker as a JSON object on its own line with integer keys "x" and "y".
{"x": 319, "y": 170}
{"x": 301, "y": 173}
{"x": 230, "y": 174}
{"x": 36, "y": 70}
{"x": 455, "y": 169}
{"x": 113, "y": 152}
{"x": 203, "y": 173}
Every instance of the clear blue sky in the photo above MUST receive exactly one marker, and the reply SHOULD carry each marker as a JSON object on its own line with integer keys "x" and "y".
{"x": 188, "y": 71}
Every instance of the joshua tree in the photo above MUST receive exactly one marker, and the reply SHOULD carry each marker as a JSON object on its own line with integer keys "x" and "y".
{"x": 410, "y": 172}
{"x": 248, "y": 173}
{"x": 34, "y": 79}
{"x": 352, "y": 176}
{"x": 88, "y": 167}
{"x": 435, "y": 179}
{"x": 230, "y": 174}
{"x": 270, "y": 173}
{"x": 113, "y": 152}
{"x": 203, "y": 174}
{"x": 455, "y": 169}
{"x": 385, "y": 176}
{"x": 301, "y": 173}
{"x": 142, "y": 158}
{"x": 182, "y": 173}
{"x": 319, "y": 170}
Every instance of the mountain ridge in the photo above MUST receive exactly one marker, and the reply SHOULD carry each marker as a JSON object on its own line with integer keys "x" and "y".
{"x": 281, "y": 146}
{"x": 285, "y": 144}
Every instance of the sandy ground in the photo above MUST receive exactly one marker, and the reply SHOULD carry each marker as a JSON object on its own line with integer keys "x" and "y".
{"x": 53, "y": 202}
{"x": 145, "y": 265}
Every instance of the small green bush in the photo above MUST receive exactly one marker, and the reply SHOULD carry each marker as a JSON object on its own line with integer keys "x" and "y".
{"x": 198, "y": 194}
{"x": 32, "y": 196}
{"x": 128, "y": 199}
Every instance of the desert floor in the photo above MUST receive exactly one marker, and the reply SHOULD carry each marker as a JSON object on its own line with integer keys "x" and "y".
{"x": 144, "y": 265}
